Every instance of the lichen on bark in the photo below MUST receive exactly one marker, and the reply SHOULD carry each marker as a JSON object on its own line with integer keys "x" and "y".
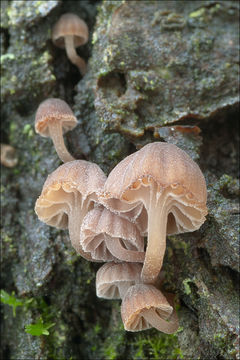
{"x": 157, "y": 71}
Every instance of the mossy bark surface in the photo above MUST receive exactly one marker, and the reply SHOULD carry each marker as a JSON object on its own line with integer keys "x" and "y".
{"x": 157, "y": 71}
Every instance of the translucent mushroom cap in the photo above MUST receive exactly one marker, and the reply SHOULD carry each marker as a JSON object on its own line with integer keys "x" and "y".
{"x": 166, "y": 168}
{"x": 58, "y": 197}
{"x": 114, "y": 279}
{"x": 54, "y": 110}
{"x": 142, "y": 301}
{"x": 109, "y": 237}
{"x": 70, "y": 24}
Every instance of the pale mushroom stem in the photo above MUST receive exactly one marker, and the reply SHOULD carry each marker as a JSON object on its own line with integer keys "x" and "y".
{"x": 156, "y": 244}
{"x": 56, "y": 134}
{"x": 75, "y": 219}
{"x": 73, "y": 56}
{"x": 116, "y": 249}
{"x": 168, "y": 327}
{"x": 123, "y": 288}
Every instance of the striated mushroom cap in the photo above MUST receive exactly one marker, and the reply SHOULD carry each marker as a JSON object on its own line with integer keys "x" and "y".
{"x": 169, "y": 185}
{"x": 164, "y": 164}
{"x": 70, "y": 24}
{"x": 113, "y": 280}
{"x": 111, "y": 238}
{"x": 69, "y": 185}
{"x": 144, "y": 307}
{"x": 54, "y": 110}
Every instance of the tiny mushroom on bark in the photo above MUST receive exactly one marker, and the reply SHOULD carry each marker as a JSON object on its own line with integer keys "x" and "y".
{"x": 8, "y": 156}
{"x": 114, "y": 279}
{"x": 164, "y": 181}
{"x": 67, "y": 195}
{"x": 71, "y": 32}
{"x": 53, "y": 118}
{"x": 144, "y": 306}
{"x": 111, "y": 238}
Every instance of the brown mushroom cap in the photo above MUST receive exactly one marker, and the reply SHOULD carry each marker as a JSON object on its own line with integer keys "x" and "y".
{"x": 70, "y": 32}
{"x": 114, "y": 279}
{"x": 165, "y": 181}
{"x": 70, "y": 24}
{"x": 144, "y": 307}
{"x": 8, "y": 156}
{"x": 53, "y": 118}
{"x": 68, "y": 194}
{"x": 111, "y": 238}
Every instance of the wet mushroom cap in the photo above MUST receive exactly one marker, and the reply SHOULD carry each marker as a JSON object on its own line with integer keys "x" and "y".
{"x": 165, "y": 181}
{"x": 57, "y": 197}
{"x": 67, "y": 195}
{"x": 70, "y": 24}
{"x": 114, "y": 279}
{"x": 54, "y": 110}
{"x": 138, "y": 301}
{"x": 111, "y": 238}
{"x": 164, "y": 163}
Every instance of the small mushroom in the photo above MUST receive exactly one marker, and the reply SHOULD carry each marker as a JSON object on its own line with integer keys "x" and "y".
{"x": 144, "y": 306}
{"x": 165, "y": 181}
{"x": 114, "y": 279}
{"x": 67, "y": 195}
{"x": 111, "y": 238}
{"x": 71, "y": 32}
{"x": 8, "y": 156}
{"x": 53, "y": 118}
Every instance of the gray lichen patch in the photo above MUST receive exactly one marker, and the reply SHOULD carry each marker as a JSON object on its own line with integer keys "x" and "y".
{"x": 27, "y": 13}
{"x": 158, "y": 63}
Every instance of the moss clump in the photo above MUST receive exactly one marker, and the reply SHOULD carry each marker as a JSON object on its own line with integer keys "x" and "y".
{"x": 156, "y": 346}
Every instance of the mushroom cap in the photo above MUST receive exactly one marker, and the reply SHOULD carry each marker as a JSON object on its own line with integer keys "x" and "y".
{"x": 70, "y": 24}
{"x": 8, "y": 156}
{"x": 114, "y": 279}
{"x": 52, "y": 110}
{"x": 99, "y": 223}
{"x": 169, "y": 169}
{"x": 61, "y": 188}
{"x": 139, "y": 299}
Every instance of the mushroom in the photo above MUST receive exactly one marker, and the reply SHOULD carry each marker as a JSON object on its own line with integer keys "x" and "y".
{"x": 165, "y": 181}
{"x": 8, "y": 157}
{"x": 67, "y": 195}
{"x": 111, "y": 238}
{"x": 114, "y": 279}
{"x": 71, "y": 32}
{"x": 53, "y": 118}
{"x": 144, "y": 306}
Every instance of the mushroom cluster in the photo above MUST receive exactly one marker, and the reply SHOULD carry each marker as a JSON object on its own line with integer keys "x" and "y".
{"x": 156, "y": 191}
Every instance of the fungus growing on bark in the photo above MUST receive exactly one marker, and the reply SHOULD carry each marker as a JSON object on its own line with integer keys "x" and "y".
{"x": 114, "y": 279}
{"x": 165, "y": 181}
{"x": 8, "y": 156}
{"x": 144, "y": 307}
{"x": 111, "y": 238}
{"x": 53, "y": 118}
{"x": 67, "y": 195}
{"x": 71, "y": 32}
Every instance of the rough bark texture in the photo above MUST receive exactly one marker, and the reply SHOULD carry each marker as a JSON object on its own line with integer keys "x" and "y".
{"x": 157, "y": 70}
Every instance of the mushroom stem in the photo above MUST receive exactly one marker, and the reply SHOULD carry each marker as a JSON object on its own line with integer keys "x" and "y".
{"x": 75, "y": 219}
{"x": 73, "y": 56}
{"x": 123, "y": 289}
{"x": 156, "y": 245}
{"x": 167, "y": 326}
{"x": 56, "y": 134}
{"x": 117, "y": 250}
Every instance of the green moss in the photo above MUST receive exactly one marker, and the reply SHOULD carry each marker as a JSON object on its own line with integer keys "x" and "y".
{"x": 187, "y": 288}
{"x": 159, "y": 346}
{"x": 197, "y": 13}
